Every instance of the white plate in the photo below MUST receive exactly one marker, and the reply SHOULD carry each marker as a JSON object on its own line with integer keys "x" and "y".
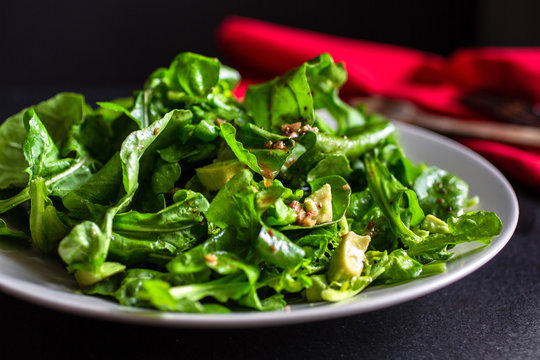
{"x": 44, "y": 281}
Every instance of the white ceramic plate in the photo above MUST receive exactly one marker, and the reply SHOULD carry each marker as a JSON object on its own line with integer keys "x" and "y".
{"x": 29, "y": 275}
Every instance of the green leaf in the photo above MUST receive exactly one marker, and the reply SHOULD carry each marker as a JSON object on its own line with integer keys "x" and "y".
{"x": 165, "y": 176}
{"x": 253, "y": 136}
{"x": 231, "y": 287}
{"x": 136, "y": 115}
{"x": 46, "y": 227}
{"x": 440, "y": 193}
{"x": 194, "y": 74}
{"x": 12, "y": 161}
{"x": 11, "y": 233}
{"x": 138, "y": 142}
{"x": 85, "y": 247}
{"x": 245, "y": 156}
{"x": 400, "y": 267}
{"x": 275, "y": 248}
{"x": 39, "y": 149}
{"x": 190, "y": 152}
{"x": 100, "y": 191}
{"x": 234, "y": 205}
{"x": 284, "y": 100}
{"x": 171, "y": 220}
{"x": 331, "y": 165}
{"x": 398, "y": 164}
{"x": 325, "y": 78}
{"x": 58, "y": 115}
{"x": 141, "y": 252}
{"x": 320, "y": 146}
{"x": 399, "y": 204}
{"x": 480, "y": 226}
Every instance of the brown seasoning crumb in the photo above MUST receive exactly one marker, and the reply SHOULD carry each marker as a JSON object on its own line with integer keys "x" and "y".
{"x": 211, "y": 258}
{"x": 309, "y": 219}
{"x": 279, "y": 145}
{"x": 291, "y": 130}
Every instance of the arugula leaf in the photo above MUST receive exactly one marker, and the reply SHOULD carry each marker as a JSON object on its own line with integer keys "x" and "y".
{"x": 275, "y": 248}
{"x": 400, "y": 267}
{"x": 193, "y": 74}
{"x": 286, "y": 99}
{"x": 157, "y": 237}
{"x": 480, "y": 226}
{"x": 165, "y": 176}
{"x": 398, "y": 164}
{"x": 46, "y": 227}
{"x": 337, "y": 164}
{"x": 167, "y": 224}
{"x": 229, "y": 134}
{"x": 58, "y": 115}
{"x": 39, "y": 150}
{"x": 12, "y": 161}
{"x": 399, "y": 204}
{"x": 266, "y": 162}
{"x": 156, "y": 200}
{"x": 139, "y": 142}
{"x": 44, "y": 161}
{"x": 238, "y": 197}
{"x": 440, "y": 193}
{"x": 137, "y": 114}
{"x": 321, "y": 145}
{"x": 325, "y": 78}
{"x": 100, "y": 191}
{"x": 11, "y": 233}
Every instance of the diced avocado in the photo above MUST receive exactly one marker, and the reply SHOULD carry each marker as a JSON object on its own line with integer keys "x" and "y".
{"x": 434, "y": 225}
{"x": 318, "y": 284}
{"x": 107, "y": 269}
{"x": 347, "y": 261}
{"x": 320, "y": 201}
{"x": 214, "y": 176}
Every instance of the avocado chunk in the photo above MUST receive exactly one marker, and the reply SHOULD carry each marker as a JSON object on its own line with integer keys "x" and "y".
{"x": 314, "y": 292}
{"x": 347, "y": 261}
{"x": 320, "y": 203}
{"x": 434, "y": 225}
{"x": 214, "y": 176}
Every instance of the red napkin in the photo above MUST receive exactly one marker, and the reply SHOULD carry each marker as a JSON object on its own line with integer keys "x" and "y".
{"x": 261, "y": 50}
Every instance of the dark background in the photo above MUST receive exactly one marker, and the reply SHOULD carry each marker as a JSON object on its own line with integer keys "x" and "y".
{"x": 99, "y": 42}
{"x": 105, "y": 49}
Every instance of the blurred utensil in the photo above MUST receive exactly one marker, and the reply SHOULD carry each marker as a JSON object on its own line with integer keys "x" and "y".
{"x": 503, "y": 108}
{"x": 406, "y": 111}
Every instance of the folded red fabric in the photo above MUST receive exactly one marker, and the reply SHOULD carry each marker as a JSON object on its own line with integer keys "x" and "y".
{"x": 262, "y": 50}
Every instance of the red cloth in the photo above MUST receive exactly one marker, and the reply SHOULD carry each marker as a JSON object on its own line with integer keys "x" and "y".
{"x": 263, "y": 50}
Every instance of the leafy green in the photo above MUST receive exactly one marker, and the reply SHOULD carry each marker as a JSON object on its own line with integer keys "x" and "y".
{"x": 440, "y": 193}
{"x": 284, "y": 100}
{"x": 481, "y": 226}
{"x": 325, "y": 78}
{"x": 11, "y": 233}
{"x": 183, "y": 198}
{"x": 398, "y": 203}
{"x": 46, "y": 227}
{"x": 277, "y": 249}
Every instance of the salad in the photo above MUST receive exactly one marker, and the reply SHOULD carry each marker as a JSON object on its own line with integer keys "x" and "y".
{"x": 184, "y": 198}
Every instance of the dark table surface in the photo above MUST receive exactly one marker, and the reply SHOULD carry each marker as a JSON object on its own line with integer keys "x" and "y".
{"x": 494, "y": 313}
